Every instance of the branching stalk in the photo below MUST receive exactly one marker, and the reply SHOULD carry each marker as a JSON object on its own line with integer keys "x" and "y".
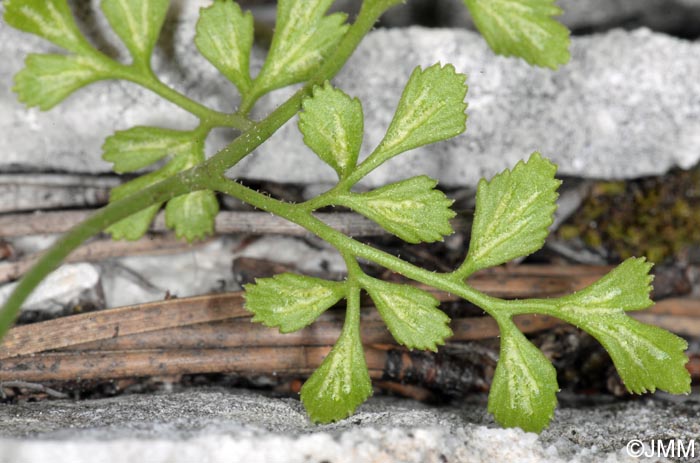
{"x": 206, "y": 115}
{"x": 199, "y": 177}
{"x": 349, "y": 247}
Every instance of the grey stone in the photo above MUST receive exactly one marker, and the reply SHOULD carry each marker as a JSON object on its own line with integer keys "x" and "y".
{"x": 67, "y": 285}
{"x": 206, "y": 268}
{"x": 219, "y": 425}
{"x": 623, "y": 107}
{"x": 665, "y": 15}
{"x": 138, "y": 279}
{"x": 29, "y": 244}
{"x": 318, "y": 259}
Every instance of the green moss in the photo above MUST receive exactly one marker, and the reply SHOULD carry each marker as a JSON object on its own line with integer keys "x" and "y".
{"x": 655, "y": 217}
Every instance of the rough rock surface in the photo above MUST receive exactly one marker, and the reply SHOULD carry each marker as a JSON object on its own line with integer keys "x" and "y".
{"x": 597, "y": 14}
{"x": 69, "y": 284}
{"x": 218, "y": 425}
{"x": 623, "y": 107}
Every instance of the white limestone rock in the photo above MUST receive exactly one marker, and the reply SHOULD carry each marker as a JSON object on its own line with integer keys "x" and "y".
{"x": 624, "y": 107}
{"x": 67, "y": 285}
{"x": 202, "y": 270}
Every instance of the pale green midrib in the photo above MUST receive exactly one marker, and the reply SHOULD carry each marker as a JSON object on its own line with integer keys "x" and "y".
{"x": 400, "y": 315}
{"x": 486, "y": 249}
{"x": 131, "y": 24}
{"x": 400, "y": 130}
{"x": 280, "y": 47}
{"x": 62, "y": 30}
{"x": 333, "y": 160}
{"x": 494, "y": 218}
{"x": 524, "y": 366}
{"x": 61, "y": 84}
{"x": 341, "y": 356}
{"x": 230, "y": 61}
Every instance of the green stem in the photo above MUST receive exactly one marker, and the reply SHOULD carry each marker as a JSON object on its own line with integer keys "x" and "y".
{"x": 206, "y": 115}
{"x": 332, "y": 196}
{"x": 355, "y": 273}
{"x": 372, "y": 161}
{"x": 550, "y": 307}
{"x": 465, "y": 270}
{"x": 351, "y": 326}
{"x": 199, "y": 177}
{"x": 248, "y": 100}
{"x": 141, "y": 74}
{"x": 350, "y": 247}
